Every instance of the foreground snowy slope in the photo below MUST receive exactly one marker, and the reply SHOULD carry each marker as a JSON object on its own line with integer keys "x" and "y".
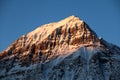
{"x": 64, "y": 50}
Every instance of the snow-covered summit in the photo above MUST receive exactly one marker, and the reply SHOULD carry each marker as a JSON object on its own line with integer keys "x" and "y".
{"x": 64, "y": 50}
{"x": 68, "y": 32}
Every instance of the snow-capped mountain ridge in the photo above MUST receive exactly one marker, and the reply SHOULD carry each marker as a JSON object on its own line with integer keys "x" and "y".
{"x": 44, "y": 31}
{"x": 64, "y": 50}
{"x": 71, "y": 27}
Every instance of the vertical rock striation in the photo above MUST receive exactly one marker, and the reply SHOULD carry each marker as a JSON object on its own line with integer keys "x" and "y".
{"x": 64, "y": 50}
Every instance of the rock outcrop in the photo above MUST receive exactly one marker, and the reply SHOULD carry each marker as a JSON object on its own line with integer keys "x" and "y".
{"x": 64, "y": 50}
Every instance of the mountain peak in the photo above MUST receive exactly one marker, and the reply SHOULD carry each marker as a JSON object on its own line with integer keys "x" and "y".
{"x": 70, "y": 24}
{"x": 48, "y": 38}
{"x": 72, "y": 17}
{"x": 62, "y": 50}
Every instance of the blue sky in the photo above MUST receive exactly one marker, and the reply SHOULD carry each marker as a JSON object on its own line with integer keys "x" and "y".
{"x": 18, "y": 17}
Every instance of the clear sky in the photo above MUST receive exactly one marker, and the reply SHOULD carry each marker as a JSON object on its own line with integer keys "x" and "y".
{"x": 18, "y": 17}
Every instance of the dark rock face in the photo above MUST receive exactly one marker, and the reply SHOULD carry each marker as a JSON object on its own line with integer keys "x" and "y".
{"x": 65, "y": 50}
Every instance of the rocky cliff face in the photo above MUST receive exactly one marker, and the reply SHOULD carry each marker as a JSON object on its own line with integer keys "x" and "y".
{"x": 64, "y": 50}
